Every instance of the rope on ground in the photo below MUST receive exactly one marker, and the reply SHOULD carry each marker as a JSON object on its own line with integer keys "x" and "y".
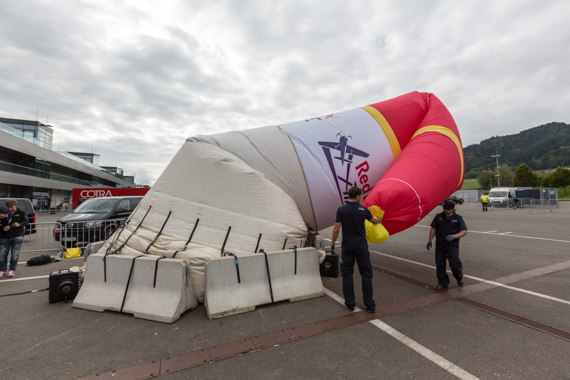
{"x": 26, "y": 292}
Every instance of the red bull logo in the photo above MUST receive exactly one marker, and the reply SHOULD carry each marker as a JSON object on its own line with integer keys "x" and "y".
{"x": 344, "y": 175}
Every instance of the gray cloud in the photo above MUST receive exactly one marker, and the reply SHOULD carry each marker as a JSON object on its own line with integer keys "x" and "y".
{"x": 132, "y": 80}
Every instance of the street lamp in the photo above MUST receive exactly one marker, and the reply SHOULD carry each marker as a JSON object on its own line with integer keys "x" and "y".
{"x": 498, "y": 175}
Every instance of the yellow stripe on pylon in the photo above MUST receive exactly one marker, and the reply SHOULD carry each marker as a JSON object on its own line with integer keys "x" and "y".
{"x": 386, "y": 128}
{"x": 449, "y": 133}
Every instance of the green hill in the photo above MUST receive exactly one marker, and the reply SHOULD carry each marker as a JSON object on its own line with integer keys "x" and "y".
{"x": 540, "y": 148}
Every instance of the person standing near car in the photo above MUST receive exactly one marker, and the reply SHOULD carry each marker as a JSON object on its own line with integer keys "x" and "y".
{"x": 11, "y": 237}
{"x": 447, "y": 227}
{"x": 351, "y": 218}
{"x": 484, "y": 201}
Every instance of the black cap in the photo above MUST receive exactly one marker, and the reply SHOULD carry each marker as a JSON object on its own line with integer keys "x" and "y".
{"x": 448, "y": 204}
{"x": 4, "y": 210}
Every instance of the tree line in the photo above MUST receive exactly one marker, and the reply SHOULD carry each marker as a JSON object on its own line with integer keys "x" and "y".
{"x": 524, "y": 176}
{"x": 541, "y": 148}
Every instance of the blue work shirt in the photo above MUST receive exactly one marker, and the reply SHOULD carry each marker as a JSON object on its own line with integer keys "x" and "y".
{"x": 447, "y": 225}
{"x": 351, "y": 217}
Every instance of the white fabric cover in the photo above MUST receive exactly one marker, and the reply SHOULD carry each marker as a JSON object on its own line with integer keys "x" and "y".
{"x": 277, "y": 181}
{"x": 270, "y": 151}
{"x": 207, "y": 183}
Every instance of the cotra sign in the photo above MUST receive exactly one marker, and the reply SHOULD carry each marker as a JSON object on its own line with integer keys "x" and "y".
{"x": 95, "y": 193}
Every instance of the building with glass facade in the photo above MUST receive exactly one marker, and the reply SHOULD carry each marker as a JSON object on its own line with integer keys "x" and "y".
{"x": 32, "y": 131}
{"x": 30, "y": 168}
{"x": 92, "y": 158}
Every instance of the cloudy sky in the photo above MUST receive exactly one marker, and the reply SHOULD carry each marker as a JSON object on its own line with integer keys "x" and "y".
{"x": 130, "y": 80}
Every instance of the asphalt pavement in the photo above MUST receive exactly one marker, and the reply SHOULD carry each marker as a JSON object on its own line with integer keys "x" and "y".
{"x": 509, "y": 321}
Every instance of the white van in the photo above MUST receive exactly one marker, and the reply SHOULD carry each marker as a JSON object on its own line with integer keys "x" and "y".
{"x": 502, "y": 196}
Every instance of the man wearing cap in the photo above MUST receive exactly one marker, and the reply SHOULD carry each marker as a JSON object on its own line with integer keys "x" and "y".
{"x": 11, "y": 237}
{"x": 448, "y": 227}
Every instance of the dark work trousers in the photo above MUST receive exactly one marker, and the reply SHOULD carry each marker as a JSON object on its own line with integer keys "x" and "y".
{"x": 450, "y": 253}
{"x": 362, "y": 257}
{"x": 484, "y": 206}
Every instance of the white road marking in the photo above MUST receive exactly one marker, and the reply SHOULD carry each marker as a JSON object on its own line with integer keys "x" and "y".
{"x": 23, "y": 278}
{"x": 481, "y": 280}
{"x": 337, "y": 298}
{"x": 519, "y": 290}
{"x": 507, "y": 234}
{"x": 422, "y": 350}
{"x": 32, "y": 278}
{"x": 539, "y": 238}
{"x": 540, "y": 295}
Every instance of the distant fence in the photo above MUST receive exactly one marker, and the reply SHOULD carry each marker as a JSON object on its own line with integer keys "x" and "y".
{"x": 80, "y": 234}
{"x": 53, "y": 211}
{"x": 41, "y": 239}
{"x": 54, "y": 238}
{"x": 534, "y": 198}
{"x": 544, "y": 203}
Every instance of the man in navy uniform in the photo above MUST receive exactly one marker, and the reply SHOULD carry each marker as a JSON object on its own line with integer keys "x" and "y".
{"x": 351, "y": 218}
{"x": 448, "y": 227}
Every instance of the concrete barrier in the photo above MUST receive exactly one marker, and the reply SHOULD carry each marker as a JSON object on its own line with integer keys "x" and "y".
{"x": 237, "y": 285}
{"x": 92, "y": 248}
{"x": 146, "y": 286}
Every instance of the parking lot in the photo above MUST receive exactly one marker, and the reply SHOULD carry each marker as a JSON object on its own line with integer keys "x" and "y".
{"x": 509, "y": 321}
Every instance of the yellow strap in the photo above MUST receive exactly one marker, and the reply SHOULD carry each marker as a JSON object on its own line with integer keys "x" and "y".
{"x": 449, "y": 133}
{"x": 386, "y": 128}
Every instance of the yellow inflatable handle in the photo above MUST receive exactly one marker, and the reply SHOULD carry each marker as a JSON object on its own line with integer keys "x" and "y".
{"x": 376, "y": 233}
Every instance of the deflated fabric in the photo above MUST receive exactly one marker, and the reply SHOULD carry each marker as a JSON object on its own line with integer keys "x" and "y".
{"x": 206, "y": 185}
{"x": 267, "y": 188}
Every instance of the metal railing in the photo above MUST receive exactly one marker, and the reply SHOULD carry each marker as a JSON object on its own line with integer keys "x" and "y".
{"x": 524, "y": 203}
{"x": 54, "y": 238}
{"x": 544, "y": 203}
{"x": 53, "y": 211}
{"x": 79, "y": 234}
{"x": 39, "y": 238}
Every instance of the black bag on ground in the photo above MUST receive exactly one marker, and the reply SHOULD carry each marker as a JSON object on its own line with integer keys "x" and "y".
{"x": 39, "y": 260}
{"x": 330, "y": 267}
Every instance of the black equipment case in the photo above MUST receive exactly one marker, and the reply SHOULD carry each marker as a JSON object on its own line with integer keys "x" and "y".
{"x": 63, "y": 285}
{"x": 330, "y": 267}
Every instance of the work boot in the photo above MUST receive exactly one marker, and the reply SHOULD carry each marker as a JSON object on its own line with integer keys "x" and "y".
{"x": 370, "y": 309}
{"x": 439, "y": 287}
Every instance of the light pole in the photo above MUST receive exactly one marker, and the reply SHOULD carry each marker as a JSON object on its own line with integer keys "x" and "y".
{"x": 498, "y": 175}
